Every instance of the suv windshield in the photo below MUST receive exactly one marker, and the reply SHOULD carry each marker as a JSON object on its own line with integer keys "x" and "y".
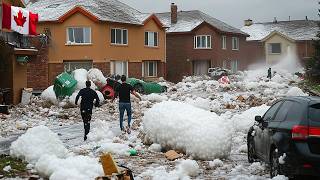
{"x": 314, "y": 112}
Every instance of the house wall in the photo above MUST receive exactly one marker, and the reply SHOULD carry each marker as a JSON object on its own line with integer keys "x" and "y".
{"x": 286, "y": 47}
{"x": 305, "y": 50}
{"x": 100, "y": 51}
{"x": 181, "y": 53}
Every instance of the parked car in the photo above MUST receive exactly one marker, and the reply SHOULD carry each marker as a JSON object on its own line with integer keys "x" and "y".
{"x": 287, "y": 137}
{"x": 217, "y": 72}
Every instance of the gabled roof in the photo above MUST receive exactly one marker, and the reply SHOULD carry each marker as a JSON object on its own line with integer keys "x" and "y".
{"x": 101, "y": 10}
{"x": 189, "y": 20}
{"x": 277, "y": 33}
{"x": 296, "y": 29}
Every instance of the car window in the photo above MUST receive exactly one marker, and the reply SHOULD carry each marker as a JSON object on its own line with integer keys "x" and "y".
{"x": 270, "y": 113}
{"x": 283, "y": 111}
{"x": 314, "y": 112}
{"x": 296, "y": 112}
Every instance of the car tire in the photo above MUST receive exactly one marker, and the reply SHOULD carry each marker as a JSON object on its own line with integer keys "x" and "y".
{"x": 251, "y": 152}
{"x": 275, "y": 168}
{"x": 138, "y": 88}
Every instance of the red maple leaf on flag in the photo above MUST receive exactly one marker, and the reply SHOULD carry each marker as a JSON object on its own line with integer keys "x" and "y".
{"x": 20, "y": 19}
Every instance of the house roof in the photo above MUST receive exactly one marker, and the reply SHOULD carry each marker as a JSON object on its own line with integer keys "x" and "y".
{"x": 297, "y": 29}
{"x": 273, "y": 33}
{"x": 189, "y": 20}
{"x": 102, "y": 10}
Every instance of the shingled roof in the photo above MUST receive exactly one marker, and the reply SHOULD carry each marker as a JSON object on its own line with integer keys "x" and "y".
{"x": 103, "y": 10}
{"x": 189, "y": 20}
{"x": 296, "y": 29}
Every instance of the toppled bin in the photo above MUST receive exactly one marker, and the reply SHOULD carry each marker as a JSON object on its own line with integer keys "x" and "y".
{"x": 64, "y": 85}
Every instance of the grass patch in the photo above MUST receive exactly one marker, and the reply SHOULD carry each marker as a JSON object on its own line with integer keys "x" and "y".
{"x": 18, "y": 167}
{"x": 311, "y": 85}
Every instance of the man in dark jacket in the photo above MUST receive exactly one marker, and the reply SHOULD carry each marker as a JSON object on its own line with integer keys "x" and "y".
{"x": 87, "y": 97}
{"x": 123, "y": 91}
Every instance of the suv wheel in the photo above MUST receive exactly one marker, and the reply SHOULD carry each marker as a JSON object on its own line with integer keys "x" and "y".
{"x": 274, "y": 163}
{"x": 251, "y": 151}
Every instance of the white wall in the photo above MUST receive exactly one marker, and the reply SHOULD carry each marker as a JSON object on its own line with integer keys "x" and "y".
{"x": 285, "y": 43}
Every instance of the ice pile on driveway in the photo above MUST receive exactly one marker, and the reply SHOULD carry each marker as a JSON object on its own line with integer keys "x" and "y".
{"x": 43, "y": 148}
{"x": 81, "y": 75}
{"x": 199, "y": 133}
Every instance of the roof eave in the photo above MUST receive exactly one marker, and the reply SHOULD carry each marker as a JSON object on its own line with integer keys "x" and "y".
{"x": 75, "y": 10}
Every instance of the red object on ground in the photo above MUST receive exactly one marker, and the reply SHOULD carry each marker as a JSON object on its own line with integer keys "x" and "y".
{"x": 224, "y": 80}
{"x": 108, "y": 92}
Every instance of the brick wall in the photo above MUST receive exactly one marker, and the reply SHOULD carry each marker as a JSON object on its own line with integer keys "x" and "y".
{"x": 37, "y": 68}
{"x": 37, "y": 74}
{"x": 305, "y": 51}
{"x": 135, "y": 69}
{"x": 161, "y": 69}
{"x": 181, "y": 52}
{"x": 103, "y": 66}
{"x": 54, "y": 70}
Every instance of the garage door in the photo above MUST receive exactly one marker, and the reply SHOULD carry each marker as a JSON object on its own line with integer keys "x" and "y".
{"x": 200, "y": 67}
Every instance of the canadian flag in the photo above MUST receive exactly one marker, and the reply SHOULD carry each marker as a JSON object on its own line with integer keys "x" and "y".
{"x": 19, "y": 20}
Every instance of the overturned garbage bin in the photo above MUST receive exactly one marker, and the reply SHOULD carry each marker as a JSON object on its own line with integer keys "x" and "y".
{"x": 64, "y": 85}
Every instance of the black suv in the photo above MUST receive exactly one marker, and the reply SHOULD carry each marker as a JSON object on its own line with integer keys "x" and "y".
{"x": 287, "y": 137}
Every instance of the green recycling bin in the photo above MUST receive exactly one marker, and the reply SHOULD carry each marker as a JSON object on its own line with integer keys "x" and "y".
{"x": 64, "y": 85}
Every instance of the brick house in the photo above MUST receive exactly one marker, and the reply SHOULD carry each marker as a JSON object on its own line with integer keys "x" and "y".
{"x": 275, "y": 40}
{"x": 16, "y": 51}
{"x": 197, "y": 41}
{"x": 106, "y": 34}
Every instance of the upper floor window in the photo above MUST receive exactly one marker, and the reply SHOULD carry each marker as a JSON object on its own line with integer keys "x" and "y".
{"x": 78, "y": 35}
{"x": 224, "y": 42}
{"x": 151, "y": 39}
{"x": 235, "y": 43}
{"x": 119, "y": 36}
{"x": 274, "y": 48}
{"x": 202, "y": 42}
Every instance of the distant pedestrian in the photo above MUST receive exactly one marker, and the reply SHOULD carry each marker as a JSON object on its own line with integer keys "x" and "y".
{"x": 123, "y": 91}
{"x": 269, "y": 73}
{"x": 87, "y": 99}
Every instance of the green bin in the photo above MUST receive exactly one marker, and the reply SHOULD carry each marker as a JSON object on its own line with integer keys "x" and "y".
{"x": 64, "y": 85}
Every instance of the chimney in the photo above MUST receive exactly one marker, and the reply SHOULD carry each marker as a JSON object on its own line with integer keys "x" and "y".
{"x": 306, "y": 18}
{"x": 174, "y": 13}
{"x": 275, "y": 20}
{"x": 248, "y": 22}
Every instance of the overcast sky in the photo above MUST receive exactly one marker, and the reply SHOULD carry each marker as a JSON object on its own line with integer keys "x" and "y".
{"x": 233, "y": 12}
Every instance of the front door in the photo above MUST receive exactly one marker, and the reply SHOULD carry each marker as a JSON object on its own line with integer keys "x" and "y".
{"x": 200, "y": 67}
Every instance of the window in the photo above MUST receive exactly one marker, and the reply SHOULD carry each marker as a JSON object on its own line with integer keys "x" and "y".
{"x": 296, "y": 112}
{"x": 202, "y": 42}
{"x": 224, "y": 42}
{"x": 314, "y": 112}
{"x": 119, "y": 36}
{"x": 282, "y": 113}
{"x": 79, "y": 35}
{"x": 119, "y": 68}
{"x": 234, "y": 66}
{"x": 274, "y": 48}
{"x": 271, "y": 112}
{"x": 151, "y": 39}
{"x": 235, "y": 43}
{"x": 70, "y": 66}
{"x": 150, "y": 68}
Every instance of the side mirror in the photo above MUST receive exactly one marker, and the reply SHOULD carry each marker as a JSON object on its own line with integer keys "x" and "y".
{"x": 258, "y": 119}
